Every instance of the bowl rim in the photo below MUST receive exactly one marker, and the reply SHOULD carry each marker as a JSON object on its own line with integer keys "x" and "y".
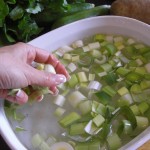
{"x": 5, "y": 128}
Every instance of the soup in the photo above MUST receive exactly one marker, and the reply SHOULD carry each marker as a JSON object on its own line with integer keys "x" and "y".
{"x": 104, "y": 105}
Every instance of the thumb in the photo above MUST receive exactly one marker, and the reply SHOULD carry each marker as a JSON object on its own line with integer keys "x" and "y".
{"x": 46, "y": 79}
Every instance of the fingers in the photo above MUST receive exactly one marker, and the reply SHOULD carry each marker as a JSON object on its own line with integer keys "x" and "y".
{"x": 61, "y": 70}
{"x": 20, "y": 97}
{"x": 42, "y": 56}
{"x": 45, "y": 79}
{"x": 54, "y": 90}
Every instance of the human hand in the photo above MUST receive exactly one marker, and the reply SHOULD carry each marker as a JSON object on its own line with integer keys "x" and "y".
{"x": 16, "y": 71}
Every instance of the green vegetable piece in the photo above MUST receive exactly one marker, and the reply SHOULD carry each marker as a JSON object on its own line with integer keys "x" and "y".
{"x": 103, "y": 97}
{"x": 11, "y": 1}
{"x": 99, "y": 10}
{"x": 135, "y": 109}
{"x": 109, "y": 90}
{"x": 99, "y": 37}
{"x": 76, "y": 7}
{"x": 123, "y": 102}
{"x": 106, "y": 128}
{"x": 110, "y": 78}
{"x": 142, "y": 122}
{"x": 101, "y": 109}
{"x": 28, "y": 28}
{"x": 145, "y": 84}
{"x": 77, "y": 129}
{"x": 44, "y": 146}
{"x": 114, "y": 142}
{"x": 81, "y": 146}
{"x": 85, "y": 107}
{"x": 7, "y": 35}
{"x": 4, "y": 10}
{"x": 97, "y": 69}
{"x": 16, "y": 13}
{"x": 127, "y": 127}
{"x": 133, "y": 77}
{"x": 107, "y": 67}
{"x": 19, "y": 129}
{"x": 129, "y": 51}
{"x": 69, "y": 119}
{"x": 143, "y": 107}
{"x": 123, "y": 91}
{"x": 127, "y": 112}
{"x": 143, "y": 50}
{"x": 98, "y": 120}
{"x": 140, "y": 70}
{"x": 36, "y": 140}
{"x": 94, "y": 145}
{"x": 135, "y": 88}
{"x": 111, "y": 49}
{"x": 85, "y": 60}
{"x": 147, "y": 55}
{"x": 122, "y": 71}
{"x": 73, "y": 81}
{"x": 36, "y": 9}
{"x": 147, "y": 114}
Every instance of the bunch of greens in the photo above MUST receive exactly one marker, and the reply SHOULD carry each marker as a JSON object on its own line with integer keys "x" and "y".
{"x": 26, "y": 19}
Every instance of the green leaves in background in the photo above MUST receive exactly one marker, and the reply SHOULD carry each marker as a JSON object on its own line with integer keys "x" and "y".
{"x": 28, "y": 28}
{"x": 23, "y": 20}
{"x": 16, "y": 13}
{"x": 4, "y": 10}
{"x": 35, "y": 9}
{"x": 11, "y": 1}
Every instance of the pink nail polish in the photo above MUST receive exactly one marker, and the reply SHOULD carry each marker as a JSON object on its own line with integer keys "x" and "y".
{"x": 60, "y": 79}
{"x": 21, "y": 98}
{"x": 56, "y": 92}
{"x": 20, "y": 94}
{"x": 40, "y": 98}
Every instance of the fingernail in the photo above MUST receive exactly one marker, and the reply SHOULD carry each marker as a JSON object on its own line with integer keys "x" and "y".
{"x": 20, "y": 94}
{"x": 68, "y": 78}
{"x": 56, "y": 92}
{"x": 40, "y": 98}
{"x": 60, "y": 79}
{"x": 21, "y": 97}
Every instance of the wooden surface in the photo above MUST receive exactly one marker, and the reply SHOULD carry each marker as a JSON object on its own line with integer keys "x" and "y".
{"x": 145, "y": 146}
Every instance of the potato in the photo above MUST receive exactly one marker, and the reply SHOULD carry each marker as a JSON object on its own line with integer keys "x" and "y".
{"x": 137, "y": 9}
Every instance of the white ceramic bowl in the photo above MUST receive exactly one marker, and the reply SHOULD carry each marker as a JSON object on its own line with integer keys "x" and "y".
{"x": 78, "y": 30}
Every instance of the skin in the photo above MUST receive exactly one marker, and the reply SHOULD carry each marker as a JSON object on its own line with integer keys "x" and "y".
{"x": 16, "y": 71}
{"x": 137, "y": 9}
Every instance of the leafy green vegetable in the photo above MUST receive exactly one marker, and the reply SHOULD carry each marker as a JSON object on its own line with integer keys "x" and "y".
{"x": 4, "y": 10}
{"x": 28, "y": 28}
{"x": 24, "y": 20}
{"x": 16, "y": 13}
{"x": 11, "y": 1}
{"x": 34, "y": 10}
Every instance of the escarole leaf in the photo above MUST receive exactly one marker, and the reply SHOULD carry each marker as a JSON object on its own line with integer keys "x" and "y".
{"x": 20, "y": 19}
{"x": 35, "y": 9}
{"x": 9, "y": 38}
{"x": 28, "y": 28}
{"x": 11, "y": 1}
{"x": 4, "y": 10}
{"x": 129, "y": 115}
{"x": 16, "y": 13}
{"x": 59, "y": 6}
